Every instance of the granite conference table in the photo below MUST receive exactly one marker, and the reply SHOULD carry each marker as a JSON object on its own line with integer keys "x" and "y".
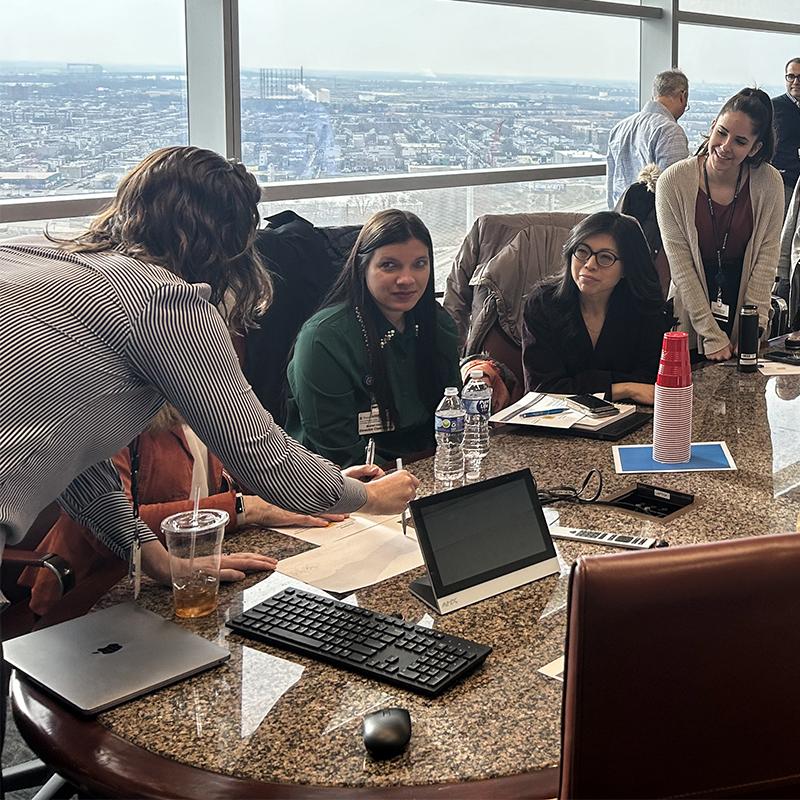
{"x": 272, "y": 724}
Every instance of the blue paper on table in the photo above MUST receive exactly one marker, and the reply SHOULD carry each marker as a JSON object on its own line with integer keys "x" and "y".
{"x": 706, "y": 456}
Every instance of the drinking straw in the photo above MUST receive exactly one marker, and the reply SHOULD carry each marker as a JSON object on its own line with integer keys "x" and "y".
{"x": 193, "y": 535}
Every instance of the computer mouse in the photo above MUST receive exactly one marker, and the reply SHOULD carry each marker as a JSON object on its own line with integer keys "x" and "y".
{"x": 386, "y": 732}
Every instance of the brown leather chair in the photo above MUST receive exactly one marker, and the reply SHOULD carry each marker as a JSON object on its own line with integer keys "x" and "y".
{"x": 683, "y": 672}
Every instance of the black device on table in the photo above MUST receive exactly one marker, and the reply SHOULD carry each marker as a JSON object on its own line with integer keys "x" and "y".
{"x": 790, "y": 353}
{"x": 377, "y": 645}
{"x": 591, "y": 405}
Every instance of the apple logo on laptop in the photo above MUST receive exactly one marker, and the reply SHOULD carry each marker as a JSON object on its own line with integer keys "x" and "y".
{"x": 112, "y": 647}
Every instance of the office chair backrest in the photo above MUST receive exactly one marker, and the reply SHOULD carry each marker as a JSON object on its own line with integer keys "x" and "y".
{"x": 683, "y": 672}
{"x": 304, "y": 262}
{"x": 501, "y": 259}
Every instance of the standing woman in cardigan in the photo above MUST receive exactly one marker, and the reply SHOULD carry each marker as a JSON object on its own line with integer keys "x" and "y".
{"x": 720, "y": 215}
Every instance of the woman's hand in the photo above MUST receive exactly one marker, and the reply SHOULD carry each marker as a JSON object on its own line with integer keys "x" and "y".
{"x": 233, "y": 566}
{"x": 364, "y": 472}
{"x": 259, "y": 512}
{"x": 155, "y": 563}
{"x": 391, "y": 493}
{"x": 641, "y": 393}
{"x": 721, "y": 355}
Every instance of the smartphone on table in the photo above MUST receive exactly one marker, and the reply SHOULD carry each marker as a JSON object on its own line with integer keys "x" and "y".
{"x": 591, "y": 405}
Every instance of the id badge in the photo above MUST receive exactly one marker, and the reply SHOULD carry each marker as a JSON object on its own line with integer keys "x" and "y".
{"x": 369, "y": 422}
{"x": 135, "y": 567}
{"x": 721, "y": 311}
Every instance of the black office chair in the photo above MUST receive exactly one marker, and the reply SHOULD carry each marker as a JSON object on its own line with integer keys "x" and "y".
{"x": 681, "y": 672}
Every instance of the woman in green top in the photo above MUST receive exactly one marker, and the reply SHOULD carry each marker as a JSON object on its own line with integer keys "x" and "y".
{"x": 375, "y": 360}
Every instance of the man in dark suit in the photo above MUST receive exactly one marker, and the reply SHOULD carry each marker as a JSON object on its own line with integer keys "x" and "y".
{"x": 787, "y": 127}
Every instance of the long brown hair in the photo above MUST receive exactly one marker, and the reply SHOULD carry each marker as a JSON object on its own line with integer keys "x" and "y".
{"x": 196, "y": 214}
{"x": 392, "y": 226}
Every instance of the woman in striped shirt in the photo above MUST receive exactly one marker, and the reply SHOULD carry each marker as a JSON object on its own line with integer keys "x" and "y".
{"x": 99, "y": 331}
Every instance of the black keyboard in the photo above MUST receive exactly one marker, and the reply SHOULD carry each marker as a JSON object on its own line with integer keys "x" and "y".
{"x": 376, "y": 645}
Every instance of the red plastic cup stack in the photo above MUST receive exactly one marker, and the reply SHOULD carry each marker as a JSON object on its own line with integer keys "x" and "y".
{"x": 672, "y": 420}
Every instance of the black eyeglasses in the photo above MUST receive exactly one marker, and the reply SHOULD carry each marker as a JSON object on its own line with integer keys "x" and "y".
{"x": 792, "y": 78}
{"x": 603, "y": 258}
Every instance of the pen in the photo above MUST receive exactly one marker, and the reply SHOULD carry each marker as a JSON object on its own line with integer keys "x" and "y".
{"x": 399, "y": 465}
{"x": 544, "y": 412}
{"x": 370, "y": 458}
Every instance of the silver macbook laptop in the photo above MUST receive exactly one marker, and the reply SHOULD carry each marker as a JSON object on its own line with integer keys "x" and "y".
{"x": 101, "y": 660}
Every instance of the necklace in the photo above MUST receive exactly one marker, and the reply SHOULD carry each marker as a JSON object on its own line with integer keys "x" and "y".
{"x": 720, "y": 246}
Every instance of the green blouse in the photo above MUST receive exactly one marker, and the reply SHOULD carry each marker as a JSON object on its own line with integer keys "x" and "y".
{"x": 327, "y": 386}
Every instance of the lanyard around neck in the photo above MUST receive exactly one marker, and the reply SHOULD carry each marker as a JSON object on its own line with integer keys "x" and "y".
{"x": 721, "y": 246}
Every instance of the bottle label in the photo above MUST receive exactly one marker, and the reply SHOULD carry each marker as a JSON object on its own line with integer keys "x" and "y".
{"x": 449, "y": 424}
{"x": 748, "y": 358}
{"x": 476, "y": 406}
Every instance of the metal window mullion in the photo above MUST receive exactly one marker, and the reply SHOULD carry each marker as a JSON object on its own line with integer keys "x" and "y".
{"x": 602, "y": 7}
{"x": 65, "y": 206}
{"x": 212, "y": 74}
{"x": 741, "y": 23}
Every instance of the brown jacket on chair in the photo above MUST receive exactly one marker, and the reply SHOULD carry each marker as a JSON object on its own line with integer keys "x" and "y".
{"x": 165, "y": 481}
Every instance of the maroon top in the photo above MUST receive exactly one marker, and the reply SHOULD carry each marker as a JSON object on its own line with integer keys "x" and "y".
{"x": 741, "y": 229}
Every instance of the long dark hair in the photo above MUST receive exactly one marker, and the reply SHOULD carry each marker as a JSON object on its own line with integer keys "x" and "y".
{"x": 196, "y": 214}
{"x": 758, "y": 106}
{"x": 640, "y": 279}
{"x": 391, "y": 226}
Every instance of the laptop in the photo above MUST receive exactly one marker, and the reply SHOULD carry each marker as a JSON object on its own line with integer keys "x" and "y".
{"x": 480, "y": 540}
{"x": 103, "y": 659}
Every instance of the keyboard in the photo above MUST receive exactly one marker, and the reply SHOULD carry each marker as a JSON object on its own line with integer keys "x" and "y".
{"x": 376, "y": 645}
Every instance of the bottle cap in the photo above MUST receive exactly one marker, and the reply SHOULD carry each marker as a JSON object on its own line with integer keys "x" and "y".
{"x": 451, "y": 390}
{"x": 476, "y": 373}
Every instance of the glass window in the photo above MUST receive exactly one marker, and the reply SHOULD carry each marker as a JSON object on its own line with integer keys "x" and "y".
{"x": 720, "y": 61}
{"x": 70, "y": 226}
{"x": 449, "y": 213}
{"x": 774, "y": 10}
{"x": 87, "y": 88}
{"x": 354, "y": 87}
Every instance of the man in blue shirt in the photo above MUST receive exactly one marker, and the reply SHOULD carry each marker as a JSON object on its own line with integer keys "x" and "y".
{"x": 652, "y": 136}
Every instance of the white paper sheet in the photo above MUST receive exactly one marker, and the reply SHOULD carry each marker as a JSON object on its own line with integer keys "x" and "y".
{"x": 338, "y": 530}
{"x": 277, "y": 583}
{"x": 359, "y": 560}
{"x": 771, "y": 368}
{"x": 555, "y": 669}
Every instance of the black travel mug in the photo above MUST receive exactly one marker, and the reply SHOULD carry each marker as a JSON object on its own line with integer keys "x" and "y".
{"x": 748, "y": 339}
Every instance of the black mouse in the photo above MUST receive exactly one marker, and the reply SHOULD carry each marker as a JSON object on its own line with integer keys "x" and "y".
{"x": 386, "y": 732}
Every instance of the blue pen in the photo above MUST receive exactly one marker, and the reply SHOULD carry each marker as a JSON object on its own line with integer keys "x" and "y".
{"x": 544, "y": 412}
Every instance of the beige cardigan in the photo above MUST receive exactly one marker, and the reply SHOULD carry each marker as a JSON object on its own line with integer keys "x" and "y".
{"x": 676, "y": 195}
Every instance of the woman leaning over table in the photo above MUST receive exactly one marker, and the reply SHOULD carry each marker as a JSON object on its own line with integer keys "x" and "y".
{"x": 720, "y": 214}
{"x": 375, "y": 360}
{"x": 99, "y": 331}
{"x": 598, "y": 326}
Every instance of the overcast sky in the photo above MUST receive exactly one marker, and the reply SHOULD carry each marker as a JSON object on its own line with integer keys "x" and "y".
{"x": 435, "y": 37}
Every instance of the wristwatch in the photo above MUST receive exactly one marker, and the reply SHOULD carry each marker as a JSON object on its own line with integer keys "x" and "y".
{"x": 240, "y": 510}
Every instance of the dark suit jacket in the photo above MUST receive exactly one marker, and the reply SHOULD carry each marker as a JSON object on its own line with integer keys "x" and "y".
{"x": 787, "y": 128}
{"x": 557, "y": 352}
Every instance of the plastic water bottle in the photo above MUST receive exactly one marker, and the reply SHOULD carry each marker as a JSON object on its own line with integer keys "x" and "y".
{"x": 448, "y": 466}
{"x": 477, "y": 401}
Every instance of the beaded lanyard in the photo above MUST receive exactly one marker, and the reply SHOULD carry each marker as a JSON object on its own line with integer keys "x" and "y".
{"x": 135, "y": 564}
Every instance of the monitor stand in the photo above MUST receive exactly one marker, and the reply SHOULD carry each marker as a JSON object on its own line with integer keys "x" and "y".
{"x": 423, "y": 590}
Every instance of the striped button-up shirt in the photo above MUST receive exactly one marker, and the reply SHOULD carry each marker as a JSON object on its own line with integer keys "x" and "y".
{"x": 650, "y": 137}
{"x": 92, "y": 345}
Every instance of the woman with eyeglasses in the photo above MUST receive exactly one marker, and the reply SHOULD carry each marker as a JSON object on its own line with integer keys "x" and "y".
{"x": 720, "y": 215}
{"x": 598, "y": 326}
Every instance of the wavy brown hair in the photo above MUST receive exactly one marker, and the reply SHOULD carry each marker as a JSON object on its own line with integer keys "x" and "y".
{"x": 196, "y": 214}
